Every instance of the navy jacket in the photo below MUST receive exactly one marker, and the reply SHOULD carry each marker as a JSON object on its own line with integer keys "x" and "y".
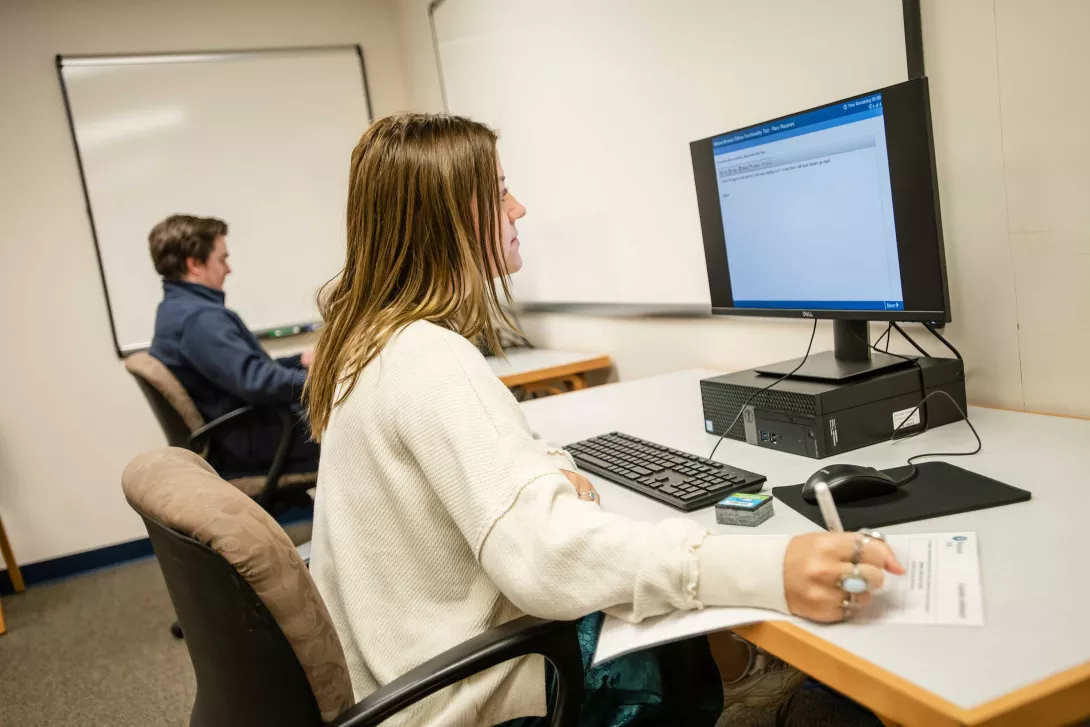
{"x": 223, "y": 367}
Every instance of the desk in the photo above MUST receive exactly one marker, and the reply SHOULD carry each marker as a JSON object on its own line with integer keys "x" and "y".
{"x": 1030, "y": 664}
{"x": 534, "y": 368}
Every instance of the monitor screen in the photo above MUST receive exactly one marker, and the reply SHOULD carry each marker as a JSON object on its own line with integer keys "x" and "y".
{"x": 831, "y": 212}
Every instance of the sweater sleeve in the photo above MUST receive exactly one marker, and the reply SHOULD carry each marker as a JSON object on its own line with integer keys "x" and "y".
{"x": 556, "y": 556}
{"x": 551, "y": 554}
{"x": 213, "y": 345}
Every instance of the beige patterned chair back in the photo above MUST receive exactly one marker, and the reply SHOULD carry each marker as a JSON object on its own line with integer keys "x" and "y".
{"x": 179, "y": 490}
{"x": 154, "y": 372}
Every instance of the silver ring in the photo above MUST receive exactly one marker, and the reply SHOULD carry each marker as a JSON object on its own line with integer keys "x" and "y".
{"x": 867, "y": 532}
{"x": 863, "y": 540}
{"x": 860, "y": 542}
{"x": 853, "y": 583}
{"x": 590, "y": 496}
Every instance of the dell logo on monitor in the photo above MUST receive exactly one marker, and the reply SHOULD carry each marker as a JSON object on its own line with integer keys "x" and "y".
{"x": 807, "y": 314}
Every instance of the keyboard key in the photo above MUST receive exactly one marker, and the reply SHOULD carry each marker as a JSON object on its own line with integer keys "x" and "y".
{"x": 690, "y": 496}
{"x": 641, "y": 471}
{"x": 668, "y": 490}
{"x": 591, "y": 459}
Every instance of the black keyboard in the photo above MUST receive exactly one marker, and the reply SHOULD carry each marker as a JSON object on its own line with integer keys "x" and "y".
{"x": 679, "y": 479}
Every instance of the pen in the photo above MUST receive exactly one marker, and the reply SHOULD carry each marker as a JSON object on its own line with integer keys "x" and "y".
{"x": 828, "y": 508}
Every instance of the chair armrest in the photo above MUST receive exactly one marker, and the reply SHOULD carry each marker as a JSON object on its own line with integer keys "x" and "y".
{"x": 228, "y": 421}
{"x": 239, "y": 417}
{"x": 557, "y": 641}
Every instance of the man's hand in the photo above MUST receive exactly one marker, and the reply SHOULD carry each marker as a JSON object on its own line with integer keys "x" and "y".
{"x": 583, "y": 488}
{"x": 307, "y": 359}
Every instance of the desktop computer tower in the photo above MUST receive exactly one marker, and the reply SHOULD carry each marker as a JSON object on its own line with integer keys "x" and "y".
{"x": 819, "y": 419}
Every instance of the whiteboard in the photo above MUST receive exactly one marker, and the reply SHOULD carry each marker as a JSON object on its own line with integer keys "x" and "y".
{"x": 261, "y": 140}
{"x": 596, "y": 103}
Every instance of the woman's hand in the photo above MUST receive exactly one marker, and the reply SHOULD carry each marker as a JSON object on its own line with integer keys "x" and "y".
{"x": 583, "y": 488}
{"x": 815, "y": 563}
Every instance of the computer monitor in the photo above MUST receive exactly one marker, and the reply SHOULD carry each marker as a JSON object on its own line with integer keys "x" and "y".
{"x": 828, "y": 213}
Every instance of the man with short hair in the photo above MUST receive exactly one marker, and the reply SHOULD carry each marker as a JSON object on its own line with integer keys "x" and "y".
{"x": 213, "y": 354}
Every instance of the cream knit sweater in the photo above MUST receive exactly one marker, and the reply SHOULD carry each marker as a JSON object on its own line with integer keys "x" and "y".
{"x": 438, "y": 516}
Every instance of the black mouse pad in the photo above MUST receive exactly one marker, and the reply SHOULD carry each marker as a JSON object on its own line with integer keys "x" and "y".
{"x": 939, "y": 488}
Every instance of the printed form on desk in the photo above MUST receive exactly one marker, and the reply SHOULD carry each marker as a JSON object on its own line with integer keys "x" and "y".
{"x": 941, "y": 586}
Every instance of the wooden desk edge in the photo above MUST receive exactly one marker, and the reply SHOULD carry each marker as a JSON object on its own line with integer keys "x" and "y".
{"x": 888, "y": 695}
{"x": 1059, "y": 699}
{"x": 1056, "y": 700}
{"x": 557, "y": 372}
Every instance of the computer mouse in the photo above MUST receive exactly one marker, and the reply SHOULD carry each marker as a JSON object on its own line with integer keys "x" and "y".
{"x": 849, "y": 483}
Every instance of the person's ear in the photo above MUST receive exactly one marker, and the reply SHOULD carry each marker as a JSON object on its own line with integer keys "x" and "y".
{"x": 193, "y": 265}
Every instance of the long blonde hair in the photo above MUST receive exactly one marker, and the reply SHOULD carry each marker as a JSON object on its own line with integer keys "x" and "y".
{"x": 423, "y": 244}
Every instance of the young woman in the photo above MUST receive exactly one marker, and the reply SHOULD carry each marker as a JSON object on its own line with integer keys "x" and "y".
{"x": 438, "y": 514}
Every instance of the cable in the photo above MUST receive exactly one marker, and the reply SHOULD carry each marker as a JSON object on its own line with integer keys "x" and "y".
{"x": 919, "y": 371}
{"x": 946, "y": 343}
{"x": 910, "y": 340}
{"x": 885, "y": 335}
{"x": 912, "y": 460}
{"x": 755, "y": 393}
{"x": 923, "y": 411}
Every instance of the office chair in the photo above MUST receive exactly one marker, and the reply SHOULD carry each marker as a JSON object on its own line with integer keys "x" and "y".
{"x": 262, "y": 644}
{"x": 184, "y": 427}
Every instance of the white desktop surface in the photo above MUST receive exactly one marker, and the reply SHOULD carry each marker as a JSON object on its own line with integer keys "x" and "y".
{"x": 525, "y": 360}
{"x": 1035, "y": 556}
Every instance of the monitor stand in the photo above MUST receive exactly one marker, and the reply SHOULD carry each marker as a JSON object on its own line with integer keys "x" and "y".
{"x": 851, "y": 357}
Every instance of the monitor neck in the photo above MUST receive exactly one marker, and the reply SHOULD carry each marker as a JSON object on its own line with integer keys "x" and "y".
{"x": 851, "y": 340}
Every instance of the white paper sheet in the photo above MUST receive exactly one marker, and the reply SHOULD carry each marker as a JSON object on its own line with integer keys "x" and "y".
{"x": 941, "y": 586}
{"x": 620, "y": 637}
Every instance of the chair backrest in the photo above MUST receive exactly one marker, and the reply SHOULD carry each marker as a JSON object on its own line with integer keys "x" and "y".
{"x": 262, "y": 643}
{"x": 170, "y": 402}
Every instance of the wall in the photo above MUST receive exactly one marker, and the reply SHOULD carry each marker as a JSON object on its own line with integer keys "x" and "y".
{"x": 1013, "y": 188}
{"x": 1016, "y": 227}
{"x": 71, "y": 418}
{"x": 1042, "y": 61}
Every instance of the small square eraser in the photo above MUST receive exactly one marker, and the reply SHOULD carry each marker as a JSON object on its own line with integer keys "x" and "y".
{"x": 743, "y": 509}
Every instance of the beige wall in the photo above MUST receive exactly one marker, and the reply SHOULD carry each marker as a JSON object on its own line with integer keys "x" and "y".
{"x": 1013, "y": 185}
{"x": 70, "y": 416}
{"x": 1044, "y": 59}
{"x": 1004, "y": 75}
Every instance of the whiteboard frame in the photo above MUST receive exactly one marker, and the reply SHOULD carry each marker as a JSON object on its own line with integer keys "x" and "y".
{"x": 63, "y": 61}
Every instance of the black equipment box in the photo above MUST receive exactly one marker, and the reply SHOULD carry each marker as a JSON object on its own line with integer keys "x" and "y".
{"x": 820, "y": 419}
